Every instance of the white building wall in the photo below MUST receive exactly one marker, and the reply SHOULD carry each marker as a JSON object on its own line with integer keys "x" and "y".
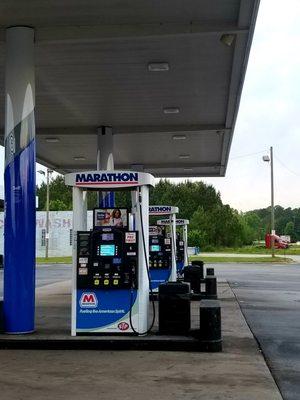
{"x": 60, "y": 232}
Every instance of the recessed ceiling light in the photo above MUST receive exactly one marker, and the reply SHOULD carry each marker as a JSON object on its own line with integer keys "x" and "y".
{"x": 158, "y": 66}
{"x": 79, "y": 158}
{"x": 171, "y": 110}
{"x": 184, "y": 156}
{"x": 188, "y": 169}
{"x": 227, "y": 39}
{"x": 179, "y": 137}
{"x": 52, "y": 140}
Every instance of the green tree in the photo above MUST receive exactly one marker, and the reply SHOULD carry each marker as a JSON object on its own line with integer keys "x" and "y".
{"x": 252, "y": 226}
{"x": 188, "y": 196}
{"x": 57, "y": 191}
{"x": 290, "y": 230}
{"x": 57, "y": 205}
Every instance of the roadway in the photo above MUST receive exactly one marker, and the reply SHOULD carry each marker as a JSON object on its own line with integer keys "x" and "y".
{"x": 269, "y": 296}
{"x": 46, "y": 274}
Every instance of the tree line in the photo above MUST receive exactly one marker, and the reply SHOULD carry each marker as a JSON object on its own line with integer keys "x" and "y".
{"x": 212, "y": 223}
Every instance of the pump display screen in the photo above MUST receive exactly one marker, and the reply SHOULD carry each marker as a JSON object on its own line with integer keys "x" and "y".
{"x": 107, "y": 250}
{"x": 155, "y": 247}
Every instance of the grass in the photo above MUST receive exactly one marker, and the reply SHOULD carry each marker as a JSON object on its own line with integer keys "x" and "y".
{"x": 208, "y": 259}
{"x": 293, "y": 250}
{"x": 255, "y": 260}
{"x": 54, "y": 260}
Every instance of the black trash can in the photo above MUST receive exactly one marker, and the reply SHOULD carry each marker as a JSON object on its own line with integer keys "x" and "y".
{"x": 174, "y": 308}
{"x": 194, "y": 275}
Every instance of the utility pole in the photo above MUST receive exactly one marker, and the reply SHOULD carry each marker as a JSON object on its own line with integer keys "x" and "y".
{"x": 270, "y": 159}
{"x": 272, "y": 204}
{"x": 49, "y": 172}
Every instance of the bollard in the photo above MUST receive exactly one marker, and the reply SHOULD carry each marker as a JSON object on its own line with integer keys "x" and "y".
{"x": 210, "y": 288}
{"x": 210, "y": 326}
{"x": 210, "y": 271}
{"x": 174, "y": 310}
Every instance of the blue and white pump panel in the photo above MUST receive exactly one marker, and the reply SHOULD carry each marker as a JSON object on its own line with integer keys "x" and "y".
{"x": 110, "y": 293}
{"x": 164, "y": 250}
{"x": 182, "y": 242}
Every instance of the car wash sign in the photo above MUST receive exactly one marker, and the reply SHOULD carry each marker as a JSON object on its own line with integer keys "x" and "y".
{"x": 108, "y": 179}
{"x": 162, "y": 210}
{"x": 179, "y": 222}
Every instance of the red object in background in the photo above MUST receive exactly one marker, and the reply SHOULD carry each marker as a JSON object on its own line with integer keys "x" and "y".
{"x": 278, "y": 242}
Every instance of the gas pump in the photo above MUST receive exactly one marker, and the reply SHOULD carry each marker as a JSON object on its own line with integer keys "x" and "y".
{"x": 181, "y": 241}
{"x": 110, "y": 289}
{"x": 162, "y": 248}
{"x": 180, "y": 252}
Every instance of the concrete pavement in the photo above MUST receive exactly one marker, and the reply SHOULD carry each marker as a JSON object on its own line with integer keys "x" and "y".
{"x": 239, "y": 373}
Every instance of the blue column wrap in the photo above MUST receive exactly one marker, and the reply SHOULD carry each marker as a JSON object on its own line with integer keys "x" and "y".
{"x": 19, "y": 239}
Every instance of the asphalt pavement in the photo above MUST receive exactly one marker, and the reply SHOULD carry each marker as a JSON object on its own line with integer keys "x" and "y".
{"x": 46, "y": 274}
{"x": 269, "y": 296}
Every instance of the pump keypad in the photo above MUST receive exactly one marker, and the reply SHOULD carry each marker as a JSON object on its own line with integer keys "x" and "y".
{"x": 109, "y": 258}
{"x": 160, "y": 252}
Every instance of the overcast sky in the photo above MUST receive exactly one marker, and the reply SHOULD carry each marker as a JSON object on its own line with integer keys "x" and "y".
{"x": 269, "y": 115}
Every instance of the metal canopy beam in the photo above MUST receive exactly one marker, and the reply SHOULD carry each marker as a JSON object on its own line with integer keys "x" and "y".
{"x": 94, "y": 33}
{"x": 119, "y": 130}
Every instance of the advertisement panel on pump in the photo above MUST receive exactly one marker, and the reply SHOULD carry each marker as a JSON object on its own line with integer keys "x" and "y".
{"x": 117, "y": 217}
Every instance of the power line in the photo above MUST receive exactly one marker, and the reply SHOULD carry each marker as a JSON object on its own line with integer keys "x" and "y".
{"x": 286, "y": 167}
{"x": 248, "y": 155}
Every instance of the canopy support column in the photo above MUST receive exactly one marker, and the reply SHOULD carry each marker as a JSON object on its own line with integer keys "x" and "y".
{"x": 19, "y": 182}
{"x": 185, "y": 241}
{"x": 173, "y": 276}
{"x": 105, "y": 161}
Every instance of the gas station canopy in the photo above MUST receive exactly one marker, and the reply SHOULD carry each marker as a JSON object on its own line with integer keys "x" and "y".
{"x": 165, "y": 75}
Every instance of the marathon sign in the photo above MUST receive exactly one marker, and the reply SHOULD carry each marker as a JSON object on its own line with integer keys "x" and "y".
{"x": 179, "y": 222}
{"x": 108, "y": 179}
{"x": 162, "y": 210}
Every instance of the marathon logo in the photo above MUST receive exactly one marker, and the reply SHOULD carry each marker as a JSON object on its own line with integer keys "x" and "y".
{"x": 88, "y": 300}
{"x": 160, "y": 210}
{"x": 113, "y": 178}
{"x": 168, "y": 221}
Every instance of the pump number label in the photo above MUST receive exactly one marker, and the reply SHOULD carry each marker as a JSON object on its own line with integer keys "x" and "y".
{"x": 130, "y": 237}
